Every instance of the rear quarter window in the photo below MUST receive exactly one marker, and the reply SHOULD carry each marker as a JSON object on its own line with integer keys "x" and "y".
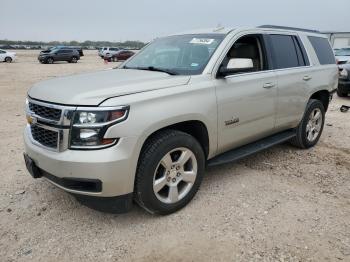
{"x": 323, "y": 50}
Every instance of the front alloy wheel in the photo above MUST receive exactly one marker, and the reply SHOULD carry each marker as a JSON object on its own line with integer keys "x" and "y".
{"x": 175, "y": 175}
{"x": 169, "y": 172}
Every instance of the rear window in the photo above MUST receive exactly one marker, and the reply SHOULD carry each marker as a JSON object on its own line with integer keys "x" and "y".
{"x": 323, "y": 50}
{"x": 285, "y": 52}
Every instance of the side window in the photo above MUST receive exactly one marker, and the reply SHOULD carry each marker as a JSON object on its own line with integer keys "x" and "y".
{"x": 248, "y": 47}
{"x": 285, "y": 53}
{"x": 323, "y": 50}
{"x": 301, "y": 52}
{"x": 2, "y": 52}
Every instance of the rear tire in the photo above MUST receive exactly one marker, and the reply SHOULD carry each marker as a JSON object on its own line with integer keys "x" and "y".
{"x": 169, "y": 172}
{"x": 74, "y": 60}
{"x": 114, "y": 59}
{"x": 8, "y": 59}
{"x": 49, "y": 60}
{"x": 311, "y": 126}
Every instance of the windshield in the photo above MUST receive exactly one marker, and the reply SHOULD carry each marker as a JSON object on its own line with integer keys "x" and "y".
{"x": 343, "y": 52}
{"x": 180, "y": 55}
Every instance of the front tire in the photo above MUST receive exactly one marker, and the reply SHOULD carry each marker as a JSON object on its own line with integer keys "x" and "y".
{"x": 49, "y": 60}
{"x": 311, "y": 126}
{"x": 8, "y": 59}
{"x": 74, "y": 60}
{"x": 169, "y": 172}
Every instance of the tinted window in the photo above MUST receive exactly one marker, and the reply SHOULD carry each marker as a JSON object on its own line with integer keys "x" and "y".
{"x": 285, "y": 54}
{"x": 65, "y": 51}
{"x": 323, "y": 50}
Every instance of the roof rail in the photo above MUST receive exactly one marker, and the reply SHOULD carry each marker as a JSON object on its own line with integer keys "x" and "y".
{"x": 289, "y": 28}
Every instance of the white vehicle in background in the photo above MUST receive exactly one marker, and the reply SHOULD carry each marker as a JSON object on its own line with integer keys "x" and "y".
{"x": 343, "y": 55}
{"x": 108, "y": 52}
{"x": 6, "y": 56}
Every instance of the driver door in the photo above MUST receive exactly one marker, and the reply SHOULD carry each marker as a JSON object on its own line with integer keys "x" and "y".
{"x": 246, "y": 100}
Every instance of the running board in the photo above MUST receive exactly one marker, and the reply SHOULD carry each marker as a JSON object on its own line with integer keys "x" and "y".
{"x": 241, "y": 152}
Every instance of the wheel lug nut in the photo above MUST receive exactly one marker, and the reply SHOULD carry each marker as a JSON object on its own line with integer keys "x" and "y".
{"x": 168, "y": 179}
{"x": 178, "y": 167}
{"x": 178, "y": 174}
{"x": 168, "y": 173}
{"x": 174, "y": 180}
{"x": 172, "y": 167}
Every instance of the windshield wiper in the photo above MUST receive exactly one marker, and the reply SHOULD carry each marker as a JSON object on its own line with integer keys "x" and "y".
{"x": 152, "y": 68}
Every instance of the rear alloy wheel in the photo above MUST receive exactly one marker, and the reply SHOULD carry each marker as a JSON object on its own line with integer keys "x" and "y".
{"x": 114, "y": 59}
{"x": 169, "y": 172}
{"x": 74, "y": 60}
{"x": 49, "y": 60}
{"x": 311, "y": 126}
{"x": 8, "y": 59}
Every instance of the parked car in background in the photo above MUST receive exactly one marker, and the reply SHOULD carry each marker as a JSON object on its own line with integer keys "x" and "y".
{"x": 121, "y": 55}
{"x": 59, "y": 54}
{"x": 107, "y": 52}
{"x": 344, "y": 80}
{"x": 6, "y": 56}
{"x": 342, "y": 55}
{"x": 137, "y": 132}
{"x": 79, "y": 49}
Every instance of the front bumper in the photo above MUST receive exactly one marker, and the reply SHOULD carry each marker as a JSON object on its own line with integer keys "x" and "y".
{"x": 344, "y": 85}
{"x": 114, "y": 167}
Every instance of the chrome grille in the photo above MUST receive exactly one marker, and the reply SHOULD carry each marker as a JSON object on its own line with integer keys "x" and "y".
{"x": 49, "y": 124}
{"x": 44, "y": 136}
{"x": 45, "y": 112}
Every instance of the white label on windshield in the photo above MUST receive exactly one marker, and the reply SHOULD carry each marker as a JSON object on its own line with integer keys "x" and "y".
{"x": 202, "y": 41}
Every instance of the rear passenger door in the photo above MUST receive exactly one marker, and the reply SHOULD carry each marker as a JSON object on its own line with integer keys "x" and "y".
{"x": 293, "y": 72}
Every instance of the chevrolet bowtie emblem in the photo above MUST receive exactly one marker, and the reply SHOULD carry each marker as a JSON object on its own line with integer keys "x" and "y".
{"x": 31, "y": 120}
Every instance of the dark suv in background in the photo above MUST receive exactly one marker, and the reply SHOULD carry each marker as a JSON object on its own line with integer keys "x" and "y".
{"x": 344, "y": 80}
{"x": 61, "y": 54}
{"x": 79, "y": 49}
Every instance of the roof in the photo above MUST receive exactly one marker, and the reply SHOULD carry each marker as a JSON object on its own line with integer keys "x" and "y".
{"x": 217, "y": 30}
{"x": 226, "y": 30}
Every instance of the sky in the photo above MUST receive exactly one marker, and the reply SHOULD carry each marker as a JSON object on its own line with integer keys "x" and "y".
{"x": 144, "y": 20}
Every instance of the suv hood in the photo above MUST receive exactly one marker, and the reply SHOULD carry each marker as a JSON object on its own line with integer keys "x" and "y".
{"x": 93, "y": 88}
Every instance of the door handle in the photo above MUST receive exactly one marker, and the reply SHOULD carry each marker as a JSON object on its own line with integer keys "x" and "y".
{"x": 268, "y": 85}
{"x": 307, "y": 78}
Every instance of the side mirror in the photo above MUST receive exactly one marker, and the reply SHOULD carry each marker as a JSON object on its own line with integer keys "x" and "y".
{"x": 236, "y": 65}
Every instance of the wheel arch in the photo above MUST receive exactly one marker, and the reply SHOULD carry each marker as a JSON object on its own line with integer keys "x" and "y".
{"x": 323, "y": 96}
{"x": 195, "y": 128}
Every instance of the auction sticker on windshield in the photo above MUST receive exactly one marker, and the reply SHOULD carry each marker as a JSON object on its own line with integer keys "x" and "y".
{"x": 202, "y": 41}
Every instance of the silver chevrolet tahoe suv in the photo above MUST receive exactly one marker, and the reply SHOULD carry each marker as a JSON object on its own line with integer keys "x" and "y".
{"x": 146, "y": 131}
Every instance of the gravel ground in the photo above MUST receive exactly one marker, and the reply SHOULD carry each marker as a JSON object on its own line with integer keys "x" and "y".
{"x": 283, "y": 204}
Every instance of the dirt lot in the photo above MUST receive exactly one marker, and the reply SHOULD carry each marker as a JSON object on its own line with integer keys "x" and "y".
{"x": 282, "y": 204}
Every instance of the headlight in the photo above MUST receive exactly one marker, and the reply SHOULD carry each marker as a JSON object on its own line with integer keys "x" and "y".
{"x": 90, "y": 125}
{"x": 343, "y": 74}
